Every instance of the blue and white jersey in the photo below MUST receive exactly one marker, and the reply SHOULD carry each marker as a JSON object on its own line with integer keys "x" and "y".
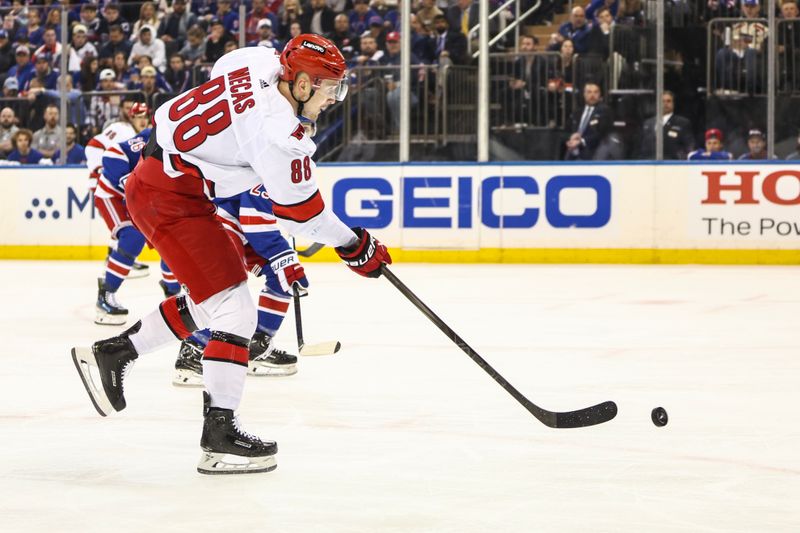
{"x": 249, "y": 216}
{"x": 119, "y": 160}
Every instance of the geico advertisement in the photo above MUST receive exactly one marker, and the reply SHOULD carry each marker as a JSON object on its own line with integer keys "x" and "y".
{"x": 493, "y": 206}
{"x": 748, "y": 204}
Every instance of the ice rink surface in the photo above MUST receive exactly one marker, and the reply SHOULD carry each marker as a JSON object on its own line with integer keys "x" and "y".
{"x": 402, "y": 432}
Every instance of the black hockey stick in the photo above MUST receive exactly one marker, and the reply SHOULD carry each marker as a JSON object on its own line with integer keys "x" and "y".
{"x": 590, "y": 416}
{"x": 322, "y": 348}
{"x": 311, "y": 250}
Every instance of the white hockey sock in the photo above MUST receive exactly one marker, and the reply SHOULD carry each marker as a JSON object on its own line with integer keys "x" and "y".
{"x": 224, "y": 383}
{"x": 153, "y": 334}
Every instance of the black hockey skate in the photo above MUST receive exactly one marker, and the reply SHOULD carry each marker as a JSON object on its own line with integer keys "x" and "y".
{"x": 138, "y": 270}
{"x": 189, "y": 365}
{"x": 108, "y": 311}
{"x": 229, "y": 450}
{"x": 103, "y": 368}
{"x": 267, "y": 360}
{"x": 166, "y": 289}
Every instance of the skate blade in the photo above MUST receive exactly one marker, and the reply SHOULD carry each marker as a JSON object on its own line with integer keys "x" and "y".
{"x": 261, "y": 369}
{"x": 84, "y": 362}
{"x": 212, "y": 463}
{"x": 104, "y": 319}
{"x": 323, "y": 348}
{"x": 187, "y": 378}
{"x": 138, "y": 273}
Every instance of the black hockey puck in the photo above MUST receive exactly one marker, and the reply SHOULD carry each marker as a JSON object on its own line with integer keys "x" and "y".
{"x": 659, "y": 416}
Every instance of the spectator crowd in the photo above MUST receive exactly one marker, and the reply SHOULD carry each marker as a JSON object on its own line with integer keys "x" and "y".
{"x": 149, "y": 51}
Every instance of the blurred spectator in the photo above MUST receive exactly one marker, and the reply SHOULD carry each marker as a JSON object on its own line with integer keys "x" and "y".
{"x": 112, "y": 17}
{"x": 631, "y": 13}
{"x": 53, "y": 21}
{"x": 392, "y": 78}
{"x": 428, "y": 12}
{"x": 678, "y": 138}
{"x": 149, "y": 87}
{"x": 104, "y": 108}
{"x": 360, "y": 15}
{"x": 123, "y": 72}
{"x": 90, "y": 19}
{"x": 422, "y": 45}
{"x": 294, "y": 30}
{"x": 291, "y": 11}
{"x": 44, "y": 74}
{"x": 600, "y": 34}
{"x": 718, "y": 9}
{"x": 215, "y": 42}
{"x": 343, "y": 38}
{"x": 47, "y": 139}
{"x": 90, "y": 69}
{"x": 204, "y": 9}
{"x": 376, "y": 30}
{"x": 265, "y": 36}
{"x": 50, "y": 47}
{"x": 229, "y": 18}
{"x": 752, "y": 33}
{"x": 590, "y": 125}
{"x": 259, "y": 11}
{"x": 23, "y": 70}
{"x": 756, "y": 146}
{"x": 178, "y": 75}
{"x": 80, "y": 48}
{"x": 796, "y": 154}
{"x": 6, "y": 53}
{"x": 8, "y": 127}
{"x": 593, "y": 9}
{"x": 713, "y": 150}
{"x": 11, "y": 26}
{"x": 174, "y": 28}
{"x": 737, "y": 67}
{"x": 338, "y": 6}
{"x": 195, "y": 48}
{"x": 576, "y": 30}
{"x": 463, "y": 15}
{"x": 368, "y": 55}
{"x": 389, "y": 14}
{"x": 21, "y": 107}
{"x": 76, "y": 155}
{"x": 523, "y": 85}
{"x": 451, "y": 46}
{"x": 149, "y": 45}
{"x": 318, "y": 18}
{"x": 22, "y": 152}
{"x": 141, "y": 64}
{"x": 116, "y": 43}
{"x": 148, "y": 16}
{"x": 35, "y": 31}
{"x": 230, "y": 46}
{"x": 789, "y": 47}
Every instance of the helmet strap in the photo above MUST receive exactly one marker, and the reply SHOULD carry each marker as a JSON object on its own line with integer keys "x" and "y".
{"x": 300, "y": 103}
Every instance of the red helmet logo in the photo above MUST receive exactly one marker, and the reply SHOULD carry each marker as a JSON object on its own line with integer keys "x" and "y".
{"x": 138, "y": 109}
{"x": 313, "y": 54}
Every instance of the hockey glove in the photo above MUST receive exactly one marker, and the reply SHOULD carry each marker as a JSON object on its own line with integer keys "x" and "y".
{"x": 288, "y": 270}
{"x": 366, "y": 256}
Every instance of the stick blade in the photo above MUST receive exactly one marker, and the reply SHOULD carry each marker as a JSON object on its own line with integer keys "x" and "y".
{"x": 322, "y": 348}
{"x": 590, "y": 416}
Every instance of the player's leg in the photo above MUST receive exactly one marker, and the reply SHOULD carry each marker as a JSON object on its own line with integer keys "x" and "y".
{"x": 130, "y": 242}
{"x": 168, "y": 283}
{"x": 265, "y": 358}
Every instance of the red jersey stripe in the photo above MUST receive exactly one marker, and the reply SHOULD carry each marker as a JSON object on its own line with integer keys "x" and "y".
{"x": 300, "y": 212}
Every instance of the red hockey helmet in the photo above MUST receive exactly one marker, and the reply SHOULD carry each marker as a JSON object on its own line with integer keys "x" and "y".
{"x": 319, "y": 58}
{"x": 138, "y": 109}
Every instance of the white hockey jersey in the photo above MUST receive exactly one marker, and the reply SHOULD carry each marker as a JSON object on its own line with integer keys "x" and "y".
{"x": 114, "y": 133}
{"x": 237, "y": 131}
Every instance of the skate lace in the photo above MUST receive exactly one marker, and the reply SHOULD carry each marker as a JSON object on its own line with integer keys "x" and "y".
{"x": 238, "y": 425}
{"x": 125, "y": 371}
{"x": 267, "y": 351}
{"x": 111, "y": 299}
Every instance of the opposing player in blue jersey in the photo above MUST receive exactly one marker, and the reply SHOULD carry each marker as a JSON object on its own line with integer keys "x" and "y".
{"x": 249, "y": 219}
{"x": 109, "y": 198}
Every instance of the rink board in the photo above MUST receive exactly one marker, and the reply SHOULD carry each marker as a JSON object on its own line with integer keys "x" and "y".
{"x": 516, "y": 213}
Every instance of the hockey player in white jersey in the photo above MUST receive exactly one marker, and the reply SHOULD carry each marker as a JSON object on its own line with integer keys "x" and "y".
{"x": 241, "y": 128}
{"x": 134, "y": 117}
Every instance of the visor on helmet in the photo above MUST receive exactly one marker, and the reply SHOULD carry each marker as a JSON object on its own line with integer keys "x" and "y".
{"x": 336, "y": 89}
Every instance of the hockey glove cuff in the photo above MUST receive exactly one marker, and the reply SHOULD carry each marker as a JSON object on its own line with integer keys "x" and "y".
{"x": 366, "y": 256}
{"x": 288, "y": 270}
